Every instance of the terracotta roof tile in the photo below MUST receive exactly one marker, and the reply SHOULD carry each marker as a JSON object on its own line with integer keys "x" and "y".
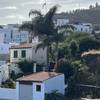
{"x": 39, "y": 77}
{"x": 26, "y": 45}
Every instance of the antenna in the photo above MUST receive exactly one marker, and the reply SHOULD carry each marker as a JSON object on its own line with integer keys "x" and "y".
{"x": 45, "y": 5}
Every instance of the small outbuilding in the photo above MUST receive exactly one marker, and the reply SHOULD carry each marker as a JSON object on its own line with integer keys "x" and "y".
{"x": 34, "y": 86}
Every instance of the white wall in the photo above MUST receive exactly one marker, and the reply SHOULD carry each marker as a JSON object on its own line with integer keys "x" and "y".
{"x": 17, "y": 90}
{"x": 2, "y": 62}
{"x": 9, "y": 94}
{"x": 83, "y": 28}
{"x": 21, "y": 36}
{"x": 26, "y": 92}
{"x": 4, "y": 47}
{"x": 1, "y": 38}
{"x": 38, "y": 95}
{"x": 19, "y": 58}
{"x": 12, "y": 34}
{"x": 56, "y": 83}
{"x": 40, "y": 56}
{"x": 6, "y": 35}
{"x": 61, "y": 22}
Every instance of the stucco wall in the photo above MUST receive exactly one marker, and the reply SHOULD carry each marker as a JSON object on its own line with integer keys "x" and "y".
{"x": 83, "y": 28}
{"x": 38, "y": 95}
{"x": 13, "y": 35}
{"x": 56, "y": 83}
{"x": 26, "y": 92}
{"x": 9, "y": 94}
{"x": 40, "y": 56}
{"x": 19, "y": 58}
{"x": 61, "y": 22}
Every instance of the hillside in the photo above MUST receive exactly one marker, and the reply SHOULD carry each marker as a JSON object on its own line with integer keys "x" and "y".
{"x": 91, "y": 15}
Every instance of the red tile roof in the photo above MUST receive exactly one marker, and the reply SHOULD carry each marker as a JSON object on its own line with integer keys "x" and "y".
{"x": 26, "y": 45}
{"x": 39, "y": 77}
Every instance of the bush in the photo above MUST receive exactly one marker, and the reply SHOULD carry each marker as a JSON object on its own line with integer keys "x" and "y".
{"x": 65, "y": 67}
{"x": 27, "y": 67}
{"x": 54, "y": 96}
{"x": 88, "y": 44}
{"x": 8, "y": 84}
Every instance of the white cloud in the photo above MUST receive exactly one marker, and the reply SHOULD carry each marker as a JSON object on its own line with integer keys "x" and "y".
{"x": 9, "y": 8}
{"x": 30, "y": 3}
{"x": 10, "y": 16}
{"x": 36, "y": 2}
{"x": 13, "y": 11}
{"x": 15, "y": 17}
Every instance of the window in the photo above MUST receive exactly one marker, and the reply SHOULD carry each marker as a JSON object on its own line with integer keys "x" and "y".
{"x": 15, "y": 54}
{"x": 23, "y": 53}
{"x": 38, "y": 88}
{"x": 11, "y": 34}
{"x": 81, "y": 29}
{"x": 5, "y": 35}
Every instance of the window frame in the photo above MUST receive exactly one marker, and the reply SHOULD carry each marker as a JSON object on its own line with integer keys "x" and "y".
{"x": 15, "y": 55}
{"x": 23, "y": 52}
{"x": 38, "y": 88}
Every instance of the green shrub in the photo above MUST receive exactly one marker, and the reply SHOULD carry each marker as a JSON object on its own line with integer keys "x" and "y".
{"x": 8, "y": 84}
{"x": 27, "y": 67}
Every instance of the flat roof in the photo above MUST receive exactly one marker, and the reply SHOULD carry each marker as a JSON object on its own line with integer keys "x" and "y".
{"x": 38, "y": 77}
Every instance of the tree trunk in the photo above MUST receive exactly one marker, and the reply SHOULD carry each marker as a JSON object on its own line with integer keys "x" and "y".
{"x": 47, "y": 57}
{"x": 56, "y": 54}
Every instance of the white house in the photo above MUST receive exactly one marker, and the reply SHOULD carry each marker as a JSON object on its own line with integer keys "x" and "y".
{"x": 27, "y": 52}
{"x": 61, "y": 22}
{"x": 4, "y": 52}
{"x": 97, "y": 32}
{"x": 83, "y": 27}
{"x": 35, "y": 86}
{"x": 11, "y": 33}
{"x": 4, "y": 47}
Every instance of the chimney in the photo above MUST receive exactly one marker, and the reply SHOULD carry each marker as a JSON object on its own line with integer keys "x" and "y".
{"x": 34, "y": 68}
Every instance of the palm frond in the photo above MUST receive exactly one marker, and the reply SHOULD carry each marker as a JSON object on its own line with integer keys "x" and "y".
{"x": 39, "y": 46}
{"x": 35, "y": 12}
{"x": 27, "y": 26}
{"x": 49, "y": 16}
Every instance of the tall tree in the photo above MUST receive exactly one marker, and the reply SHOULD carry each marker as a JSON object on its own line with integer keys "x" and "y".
{"x": 42, "y": 25}
{"x": 73, "y": 48}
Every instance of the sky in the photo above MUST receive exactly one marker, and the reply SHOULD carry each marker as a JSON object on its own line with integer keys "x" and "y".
{"x": 16, "y": 11}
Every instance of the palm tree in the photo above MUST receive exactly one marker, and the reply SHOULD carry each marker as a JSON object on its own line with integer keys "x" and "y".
{"x": 43, "y": 26}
